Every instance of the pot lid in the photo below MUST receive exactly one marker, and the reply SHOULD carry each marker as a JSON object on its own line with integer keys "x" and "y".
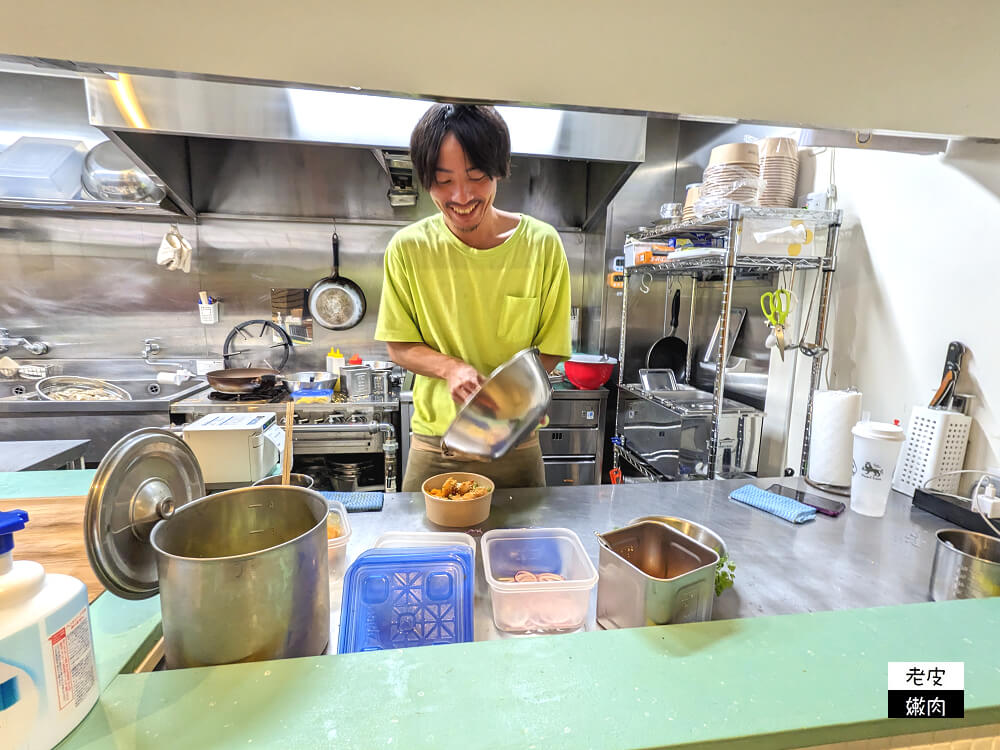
{"x": 146, "y": 476}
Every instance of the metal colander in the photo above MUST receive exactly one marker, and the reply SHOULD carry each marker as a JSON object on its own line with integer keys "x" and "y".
{"x": 73, "y": 388}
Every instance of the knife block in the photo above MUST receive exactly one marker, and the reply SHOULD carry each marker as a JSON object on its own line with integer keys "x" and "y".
{"x": 936, "y": 440}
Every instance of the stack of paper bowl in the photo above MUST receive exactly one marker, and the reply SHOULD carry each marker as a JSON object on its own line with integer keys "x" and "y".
{"x": 779, "y": 171}
{"x": 693, "y": 193}
{"x": 731, "y": 176}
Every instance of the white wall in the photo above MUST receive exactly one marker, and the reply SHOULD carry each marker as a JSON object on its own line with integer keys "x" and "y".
{"x": 919, "y": 266}
{"x": 918, "y": 65}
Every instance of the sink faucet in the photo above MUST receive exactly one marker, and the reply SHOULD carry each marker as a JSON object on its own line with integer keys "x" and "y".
{"x": 37, "y": 348}
{"x": 150, "y": 348}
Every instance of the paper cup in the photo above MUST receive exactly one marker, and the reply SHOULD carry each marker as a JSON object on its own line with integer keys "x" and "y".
{"x": 876, "y": 448}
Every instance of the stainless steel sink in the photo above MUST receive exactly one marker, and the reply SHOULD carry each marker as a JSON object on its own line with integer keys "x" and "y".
{"x": 25, "y": 416}
{"x": 140, "y": 389}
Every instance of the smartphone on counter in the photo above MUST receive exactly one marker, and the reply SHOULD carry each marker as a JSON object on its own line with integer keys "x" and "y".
{"x": 821, "y": 504}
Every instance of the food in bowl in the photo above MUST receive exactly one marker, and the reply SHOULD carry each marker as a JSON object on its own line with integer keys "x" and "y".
{"x": 454, "y": 489}
{"x": 458, "y": 499}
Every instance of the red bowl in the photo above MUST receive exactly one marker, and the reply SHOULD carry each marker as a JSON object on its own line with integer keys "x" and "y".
{"x": 589, "y": 371}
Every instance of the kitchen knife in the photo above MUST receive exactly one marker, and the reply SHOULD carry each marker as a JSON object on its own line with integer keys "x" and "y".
{"x": 949, "y": 377}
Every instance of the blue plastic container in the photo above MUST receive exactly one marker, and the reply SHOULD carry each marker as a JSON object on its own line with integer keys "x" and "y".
{"x": 405, "y": 597}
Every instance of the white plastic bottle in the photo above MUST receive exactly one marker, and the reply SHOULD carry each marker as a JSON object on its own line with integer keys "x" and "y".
{"x": 48, "y": 681}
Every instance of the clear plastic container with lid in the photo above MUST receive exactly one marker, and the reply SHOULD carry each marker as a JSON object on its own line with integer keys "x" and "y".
{"x": 405, "y": 597}
{"x": 397, "y": 539}
{"x": 42, "y": 168}
{"x": 552, "y": 603}
{"x": 338, "y": 533}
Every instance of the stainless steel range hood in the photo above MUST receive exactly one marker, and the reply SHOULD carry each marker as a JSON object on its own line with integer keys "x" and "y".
{"x": 51, "y": 112}
{"x": 263, "y": 150}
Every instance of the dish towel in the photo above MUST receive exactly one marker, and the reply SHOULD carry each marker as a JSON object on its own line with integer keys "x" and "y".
{"x": 782, "y": 507}
{"x": 357, "y": 502}
{"x": 174, "y": 251}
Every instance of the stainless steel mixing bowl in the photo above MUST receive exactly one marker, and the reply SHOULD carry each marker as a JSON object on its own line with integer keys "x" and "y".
{"x": 504, "y": 410}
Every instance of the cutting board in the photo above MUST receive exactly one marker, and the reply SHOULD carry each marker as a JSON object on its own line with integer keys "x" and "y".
{"x": 53, "y": 537}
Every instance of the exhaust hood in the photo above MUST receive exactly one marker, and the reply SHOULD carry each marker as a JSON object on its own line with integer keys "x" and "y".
{"x": 260, "y": 150}
{"x": 45, "y": 142}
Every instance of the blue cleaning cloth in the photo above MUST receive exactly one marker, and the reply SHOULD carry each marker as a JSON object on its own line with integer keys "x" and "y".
{"x": 779, "y": 505}
{"x": 356, "y": 502}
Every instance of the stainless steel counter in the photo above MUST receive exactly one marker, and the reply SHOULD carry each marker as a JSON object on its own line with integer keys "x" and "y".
{"x": 781, "y": 568}
{"x": 35, "y": 455}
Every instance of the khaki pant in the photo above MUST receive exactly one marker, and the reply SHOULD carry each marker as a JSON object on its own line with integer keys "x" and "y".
{"x": 521, "y": 467}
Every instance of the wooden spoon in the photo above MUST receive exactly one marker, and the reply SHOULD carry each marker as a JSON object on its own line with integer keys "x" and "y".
{"x": 286, "y": 456}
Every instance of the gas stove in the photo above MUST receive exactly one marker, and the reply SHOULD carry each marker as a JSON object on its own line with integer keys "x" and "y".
{"x": 271, "y": 395}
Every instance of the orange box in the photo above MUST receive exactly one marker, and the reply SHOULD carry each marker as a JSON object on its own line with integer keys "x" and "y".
{"x": 648, "y": 256}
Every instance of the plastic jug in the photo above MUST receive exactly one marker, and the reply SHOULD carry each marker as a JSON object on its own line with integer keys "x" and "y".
{"x": 48, "y": 681}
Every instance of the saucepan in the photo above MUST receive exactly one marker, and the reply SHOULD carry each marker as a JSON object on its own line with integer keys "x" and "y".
{"x": 242, "y": 380}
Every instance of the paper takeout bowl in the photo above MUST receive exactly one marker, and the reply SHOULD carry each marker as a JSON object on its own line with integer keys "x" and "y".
{"x": 457, "y": 513}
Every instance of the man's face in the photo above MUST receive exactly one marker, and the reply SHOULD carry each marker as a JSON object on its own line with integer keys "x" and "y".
{"x": 462, "y": 192}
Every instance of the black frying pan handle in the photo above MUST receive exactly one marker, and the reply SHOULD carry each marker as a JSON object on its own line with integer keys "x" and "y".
{"x": 336, "y": 256}
{"x": 675, "y": 309}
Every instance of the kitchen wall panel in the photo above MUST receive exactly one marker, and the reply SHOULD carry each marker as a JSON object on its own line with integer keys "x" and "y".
{"x": 90, "y": 286}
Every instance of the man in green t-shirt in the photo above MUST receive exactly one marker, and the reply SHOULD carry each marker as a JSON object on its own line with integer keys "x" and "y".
{"x": 468, "y": 288}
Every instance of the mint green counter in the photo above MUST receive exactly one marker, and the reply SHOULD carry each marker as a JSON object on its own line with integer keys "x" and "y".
{"x": 752, "y": 682}
{"x": 766, "y": 682}
{"x": 61, "y": 483}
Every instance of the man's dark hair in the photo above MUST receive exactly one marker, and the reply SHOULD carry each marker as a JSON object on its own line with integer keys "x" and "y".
{"x": 479, "y": 128}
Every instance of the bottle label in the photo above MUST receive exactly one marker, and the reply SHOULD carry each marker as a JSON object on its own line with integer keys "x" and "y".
{"x": 73, "y": 661}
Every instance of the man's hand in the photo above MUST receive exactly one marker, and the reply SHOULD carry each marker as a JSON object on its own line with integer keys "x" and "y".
{"x": 463, "y": 381}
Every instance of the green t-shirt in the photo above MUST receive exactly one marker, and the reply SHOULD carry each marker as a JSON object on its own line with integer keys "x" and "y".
{"x": 481, "y": 306}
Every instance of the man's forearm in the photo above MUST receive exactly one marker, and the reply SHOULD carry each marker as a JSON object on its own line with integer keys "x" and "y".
{"x": 420, "y": 358}
{"x": 549, "y": 361}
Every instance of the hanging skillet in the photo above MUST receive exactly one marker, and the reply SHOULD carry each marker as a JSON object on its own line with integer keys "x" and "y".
{"x": 336, "y": 302}
{"x": 670, "y": 352}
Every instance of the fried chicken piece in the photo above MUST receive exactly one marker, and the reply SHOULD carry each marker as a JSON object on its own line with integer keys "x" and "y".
{"x": 448, "y": 487}
{"x": 465, "y": 487}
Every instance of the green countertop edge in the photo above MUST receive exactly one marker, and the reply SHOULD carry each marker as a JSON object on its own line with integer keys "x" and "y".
{"x": 58, "y": 483}
{"x": 124, "y": 632}
{"x": 766, "y": 682}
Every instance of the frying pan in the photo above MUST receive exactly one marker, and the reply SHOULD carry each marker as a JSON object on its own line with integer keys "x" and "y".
{"x": 241, "y": 380}
{"x": 669, "y": 352}
{"x": 336, "y": 302}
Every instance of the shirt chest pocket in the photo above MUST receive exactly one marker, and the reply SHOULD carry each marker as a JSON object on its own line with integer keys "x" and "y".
{"x": 518, "y": 321}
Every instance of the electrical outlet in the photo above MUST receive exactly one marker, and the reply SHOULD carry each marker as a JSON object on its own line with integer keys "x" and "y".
{"x": 203, "y": 366}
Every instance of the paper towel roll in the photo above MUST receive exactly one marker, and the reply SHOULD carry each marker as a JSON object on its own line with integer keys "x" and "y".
{"x": 831, "y": 444}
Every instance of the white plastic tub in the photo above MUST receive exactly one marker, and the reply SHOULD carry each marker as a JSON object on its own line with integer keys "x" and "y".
{"x": 336, "y": 522}
{"x": 542, "y": 606}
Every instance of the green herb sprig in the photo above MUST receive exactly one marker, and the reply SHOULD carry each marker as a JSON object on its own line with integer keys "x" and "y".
{"x": 725, "y": 574}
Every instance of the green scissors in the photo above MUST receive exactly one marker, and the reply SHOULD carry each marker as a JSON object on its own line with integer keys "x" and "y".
{"x": 775, "y": 306}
